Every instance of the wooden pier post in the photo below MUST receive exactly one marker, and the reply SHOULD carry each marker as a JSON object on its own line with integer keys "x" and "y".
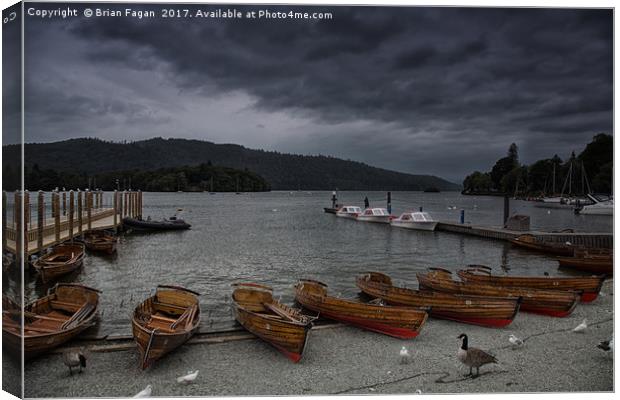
{"x": 26, "y": 221}
{"x": 64, "y": 203}
{"x": 140, "y": 209}
{"x": 115, "y": 207}
{"x": 4, "y": 221}
{"x": 79, "y": 212}
{"x": 56, "y": 208}
{"x": 40, "y": 221}
{"x": 71, "y": 212}
{"x": 89, "y": 206}
{"x": 17, "y": 211}
{"x": 125, "y": 204}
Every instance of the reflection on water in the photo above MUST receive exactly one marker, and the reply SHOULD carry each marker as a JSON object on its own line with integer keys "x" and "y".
{"x": 275, "y": 238}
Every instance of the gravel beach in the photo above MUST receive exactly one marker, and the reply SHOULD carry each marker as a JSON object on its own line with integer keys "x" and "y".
{"x": 345, "y": 360}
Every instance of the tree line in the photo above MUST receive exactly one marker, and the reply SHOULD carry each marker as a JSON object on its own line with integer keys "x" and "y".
{"x": 590, "y": 171}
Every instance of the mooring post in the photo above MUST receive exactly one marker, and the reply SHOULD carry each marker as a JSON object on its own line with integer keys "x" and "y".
{"x": 79, "y": 212}
{"x": 389, "y": 202}
{"x": 4, "y": 222}
{"x": 56, "y": 208}
{"x": 506, "y": 208}
{"x": 17, "y": 211}
{"x": 71, "y": 211}
{"x": 26, "y": 222}
{"x": 89, "y": 206}
{"x": 421, "y": 208}
{"x": 462, "y": 216}
{"x": 40, "y": 221}
{"x": 64, "y": 203}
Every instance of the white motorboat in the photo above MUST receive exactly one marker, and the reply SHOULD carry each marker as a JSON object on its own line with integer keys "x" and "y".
{"x": 380, "y": 215}
{"x": 600, "y": 207}
{"x": 415, "y": 220}
{"x": 349, "y": 212}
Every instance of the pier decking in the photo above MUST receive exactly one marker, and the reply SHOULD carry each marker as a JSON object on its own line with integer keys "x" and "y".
{"x": 602, "y": 240}
{"x": 72, "y": 214}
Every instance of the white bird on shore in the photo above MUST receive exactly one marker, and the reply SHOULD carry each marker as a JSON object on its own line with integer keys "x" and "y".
{"x": 189, "y": 378}
{"x": 146, "y": 392}
{"x": 418, "y": 391}
{"x": 581, "y": 327}
{"x": 515, "y": 341}
{"x": 404, "y": 355}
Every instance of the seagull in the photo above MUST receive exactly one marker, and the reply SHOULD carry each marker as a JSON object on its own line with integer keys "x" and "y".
{"x": 581, "y": 327}
{"x": 607, "y": 346}
{"x": 404, "y": 356}
{"x": 74, "y": 358}
{"x": 146, "y": 392}
{"x": 189, "y": 378}
{"x": 418, "y": 391}
{"x": 516, "y": 342}
{"x": 473, "y": 357}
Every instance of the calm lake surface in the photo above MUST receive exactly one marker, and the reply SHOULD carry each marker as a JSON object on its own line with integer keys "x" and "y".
{"x": 277, "y": 237}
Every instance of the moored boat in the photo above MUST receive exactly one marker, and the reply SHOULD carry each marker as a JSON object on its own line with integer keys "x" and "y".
{"x": 400, "y": 322}
{"x": 100, "y": 241}
{"x": 415, "y": 220}
{"x": 554, "y": 303}
{"x": 600, "y": 206}
{"x": 284, "y": 327}
{"x": 331, "y": 210}
{"x": 589, "y": 285}
{"x": 350, "y": 212}
{"x": 530, "y": 242}
{"x": 380, "y": 215}
{"x": 50, "y": 321}
{"x": 167, "y": 224}
{"x": 594, "y": 261}
{"x": 63, "y": 259}
{"x": 476, "y": 310}
{"x": 164, "y": 321}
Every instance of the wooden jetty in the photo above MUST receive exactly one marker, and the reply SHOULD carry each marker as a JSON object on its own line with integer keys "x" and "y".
{"x": 71, "y": 214}
{"x": 597, "y": 240}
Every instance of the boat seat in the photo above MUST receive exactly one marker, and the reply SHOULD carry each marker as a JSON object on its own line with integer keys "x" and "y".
{"x": 159, "y": 304}
{"x": 62, "y": 305}
{"x": 164, "y": 319}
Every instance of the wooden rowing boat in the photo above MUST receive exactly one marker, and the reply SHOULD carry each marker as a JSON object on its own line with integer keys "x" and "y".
{"x": 50, "y": 321}
{"x": 283, "y": 327}
{"x": 555, "y": 303}
{"x": 400, "y": 322}
{"x": 594, "y": 261}
{"x": 100, "y": 241}
{"x": 530, "y": 242}
{"x": 589, "y": 285}
{"x": 164, "y": 321}
{"x": 63, "y": 259}
{"x": 476, "y": 310}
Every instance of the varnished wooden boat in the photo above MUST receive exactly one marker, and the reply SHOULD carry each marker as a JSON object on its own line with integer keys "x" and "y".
{"x": 51, "y": 320}
{"x": 591, "y": 261}
{"x": 590, "y": 286}
{"x": 400, "y": 322}
{"x": 164, "y": 321}
{"x": 63, "y": 259}
{"x": 555, "y": 303}
{"x": 529, "y": 242}
{"x": 100, "y": 241}
{"x": 476, "y": 310}
{"x": 282, "y": 326}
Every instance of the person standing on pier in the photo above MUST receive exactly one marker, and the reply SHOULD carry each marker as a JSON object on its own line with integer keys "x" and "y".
{"x": 366, "y": 202}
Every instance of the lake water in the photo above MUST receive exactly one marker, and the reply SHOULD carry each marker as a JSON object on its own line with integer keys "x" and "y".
{"x": 277, "y": 237}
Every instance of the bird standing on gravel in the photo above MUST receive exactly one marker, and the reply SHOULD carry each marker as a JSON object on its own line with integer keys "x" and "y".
{"x": 189, "y": 378}
{"x": 581, "y": 327}
{"x": 607, "y": 346}
{"x": 74, "y": 358}
{"x": 146, "y": 392}
{"x": 404, "y": 356}
{"x": 515, "y": 341}
{"x": 473, "y": 357}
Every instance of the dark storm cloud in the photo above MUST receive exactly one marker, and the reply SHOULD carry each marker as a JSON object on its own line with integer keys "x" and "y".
{"x": 388, "y": 86}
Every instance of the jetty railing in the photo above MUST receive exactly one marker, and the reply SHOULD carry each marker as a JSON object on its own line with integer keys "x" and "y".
{"x": 62, "y": 216}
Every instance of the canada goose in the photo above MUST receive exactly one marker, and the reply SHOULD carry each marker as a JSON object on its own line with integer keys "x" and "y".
{"x": 473, "y": 357}
{"x": 74, "y": 358}
{"x": 581, "y": 327}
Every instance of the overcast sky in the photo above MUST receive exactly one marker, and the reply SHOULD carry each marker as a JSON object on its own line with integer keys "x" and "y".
{"x": 442, "y": 91}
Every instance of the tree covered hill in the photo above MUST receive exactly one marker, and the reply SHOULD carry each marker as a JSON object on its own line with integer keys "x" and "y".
{"x": 281, "y": 171}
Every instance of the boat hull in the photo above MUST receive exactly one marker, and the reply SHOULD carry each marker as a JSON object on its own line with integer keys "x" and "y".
{"x": 379, "y": 219}
{"x": 590, "y": 286}
{"x": 530, "y": 243}
{"x": 155, "y": 226}
{"x": 63, "y": 259}
{"x": 593, "y": 265}
{"x": 400, "y": 322}
{"x": 475, "y": 310}
{"x": 545, "y": 302}
{"x": 419, "y": 226}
